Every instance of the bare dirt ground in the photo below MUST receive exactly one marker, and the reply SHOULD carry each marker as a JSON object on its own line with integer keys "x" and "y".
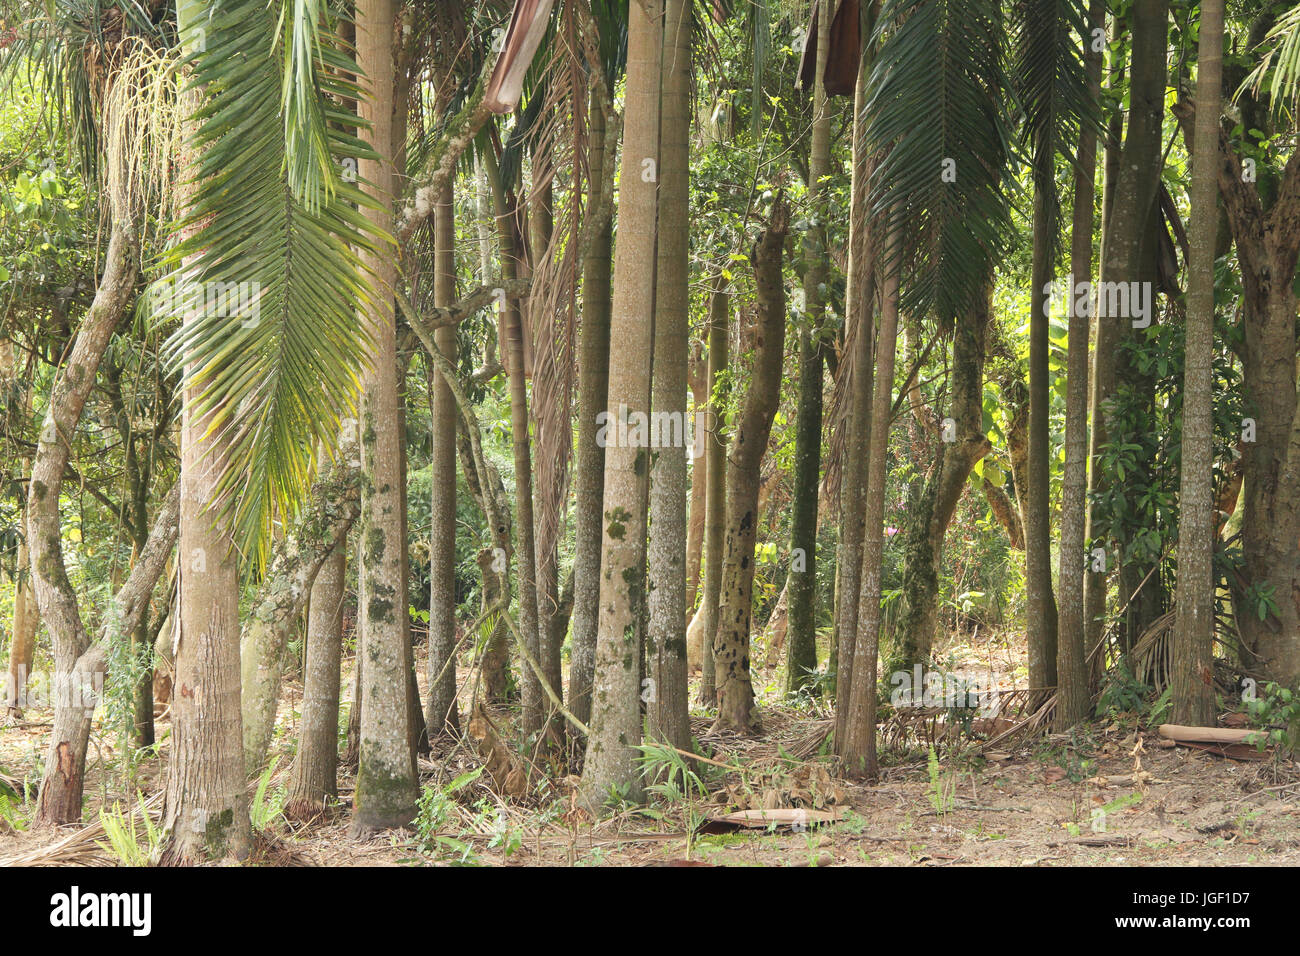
{"x": 1110, "y": 793}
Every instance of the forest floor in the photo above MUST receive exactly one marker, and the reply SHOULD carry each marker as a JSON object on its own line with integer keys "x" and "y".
{"x": 1109, "y": 793}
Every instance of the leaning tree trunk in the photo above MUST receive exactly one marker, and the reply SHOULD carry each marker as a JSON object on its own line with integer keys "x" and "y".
{"x": 857, "y": 747}
{"x": 668, "y": 717}
{"x": 1073, "y": 697}
{"x": 321, "y": 529}
{"x": 386, "y": 776}
{"x": 76, "y": 684}
{"x": 736, "y": 603}
{"x": 441, "y": 714}
{"x": 589, "y": 457}
{"x": 314, "y": 778}
{"x": 615, "y": 729}
{"x": 1192, "y": 679}
{"x": 801, "y": 634}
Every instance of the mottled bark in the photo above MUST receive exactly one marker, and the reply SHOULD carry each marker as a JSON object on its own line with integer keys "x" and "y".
{"x": 944, "y": 484}
{"x": 859, "y": 342}
{"x": 76, "y": 683}
{"x": 386, "y": 779}
{"x": 667, "y": 707}
{"x": 731, "y": 642}
{"x": 320, "y": 529}
{"x": 1192, "y": 679}
{"x": 589, "y": 456}
{"x": 313, "y": 781}
{"x": 615, "y": 728}
{"x": 857, "y": 747}
{"x": 1072, "y": 697}
{"x": 715, "y": 501}
{"x": 441, "y": 715}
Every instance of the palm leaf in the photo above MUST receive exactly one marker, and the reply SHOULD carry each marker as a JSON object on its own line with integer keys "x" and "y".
{"x": 279, "y": 367}
{"x": 942, "y": 60}
{"x": 1052, "y": 88}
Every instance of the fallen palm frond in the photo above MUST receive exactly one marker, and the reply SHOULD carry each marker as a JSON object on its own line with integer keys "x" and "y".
{"x": 82, "y": 847}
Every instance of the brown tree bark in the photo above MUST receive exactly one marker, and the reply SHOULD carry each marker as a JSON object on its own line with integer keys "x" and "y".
{"x": 1073, "y": 697}
{"x": 314, "y": 777}
{"x": 731, "y": 643}
{"x": 667, "y": 714}
{"x": 1192, "y": 679}
{"x": 857, "y": 748}
{"x": 615, "y": 727}
{"x": 386, "y": 778}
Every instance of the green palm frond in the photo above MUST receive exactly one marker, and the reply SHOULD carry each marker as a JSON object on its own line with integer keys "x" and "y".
{"x": 315, "y": 81}
{"x": 1052, "y": 88}
{"x": 1280, "y": 67}
{"x": 274, "y": 344}
{"x": 947, "y": 175}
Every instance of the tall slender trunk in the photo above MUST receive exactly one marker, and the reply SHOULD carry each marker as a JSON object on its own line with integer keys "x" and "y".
{"x": 667, "y": 713}
{"x": 1039, "y": 600}
{"x": 859, "y": 342}
{"x": 386, "y": 778}
{"x": 801, "y": 649}
{"x": 441, "y": 713}
{"x": 313, "y": 780}
{"x": 715, "y": 502}
{"x": 857, "y": 747}
{"x": 731, "y": 643}
{"x": 589, "y": 456}
{"x": 610, "y": 760}
{"x": 512, "y": 337}
{"x": 1193, "y": 663}
{"x": 1071, "y": 671}
{"x": 1129, "y": 220}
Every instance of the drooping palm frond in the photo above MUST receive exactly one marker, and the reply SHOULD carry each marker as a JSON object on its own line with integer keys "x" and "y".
{"x": 1280, "y": 67}
{"x": 946, "y": 174}
{"x": 1052, "y": 88}
{"x": 317, "y": 79}
{"x": 271, "y": 286}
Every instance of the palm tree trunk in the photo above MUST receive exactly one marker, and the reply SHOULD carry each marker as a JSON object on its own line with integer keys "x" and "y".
{"x": 1193, "y": 663}
{"x": 386, "y": 779}
{"x": 857, "y": 746}
{"x": 615, "y": 712}
{"x": 441, "y": 713}
{"x": 1071, "y": 671}
{"x": 589, "y": 457}
{"x": 1128, "y": 220}
{"x": 801, "y": 649}
{"x": 667, "y": 713}
{"x": 512, "y": 336}
{"x": 859, "y": 331}
{"x": 715, "y": 503}
{"x": 314, "y": 779}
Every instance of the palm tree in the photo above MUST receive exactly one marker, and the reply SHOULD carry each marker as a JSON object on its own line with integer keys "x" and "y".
{"x": 615, "y": 728}
{"x": 1192, "y": 679}
{"x": 668, "y": 717}
{"x": 386, "y": 777}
